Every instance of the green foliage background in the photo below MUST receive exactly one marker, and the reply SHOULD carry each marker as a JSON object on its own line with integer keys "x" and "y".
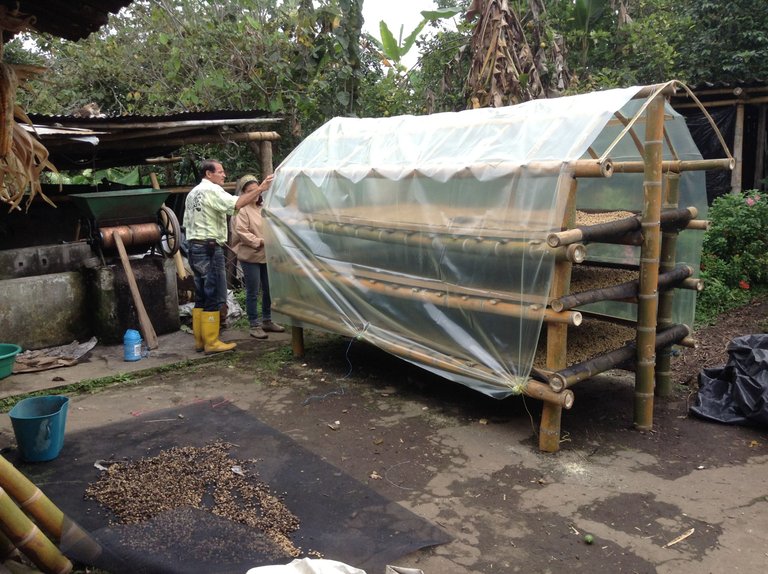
{"x": 307, "y": 61}
{"x": 734, "y": 259}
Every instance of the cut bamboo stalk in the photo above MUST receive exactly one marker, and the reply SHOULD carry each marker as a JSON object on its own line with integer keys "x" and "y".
{"x": 698, "y": 224}
{"x": 619, "y": 230}
{"x": 28, "y": 538}
{"x": 632, "y": 133}
{"x": 668, "y": 254}
{"x": 579, "y": 168}
{"x": 738, "y": 149}
{"x": 145, "y": 324}
{"x": 688, "y": 342}
{"x": 554, "y": 403}
{"x": 647, "y": 306}
{"x": 297, "y": 341}
{"x": 665, "y": 89}
{"x": 159, "y": 126}
{"x": 557, "y": 334}
{"x": 720, "y": 103}
{"x": 568, "y": 377}
{"x": 47, "y": 515}
{"x": 191, "y": 140}
{"x": 265, "y": 158}
{"x": 676, "y": 166}
{"x": 488, "y": 246}
{"x": 694, "y": 284}
{"x": 620, "y": 291}
{"x": 392, "y": 286}
{"x": 530, "y": 387}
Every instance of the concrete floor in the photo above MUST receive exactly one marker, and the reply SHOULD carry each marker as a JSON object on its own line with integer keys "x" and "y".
{"x": 107, "y": 361}
{"x": 470, "y": 464}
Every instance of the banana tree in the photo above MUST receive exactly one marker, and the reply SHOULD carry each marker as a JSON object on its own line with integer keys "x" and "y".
{"x": 394, "y": 50}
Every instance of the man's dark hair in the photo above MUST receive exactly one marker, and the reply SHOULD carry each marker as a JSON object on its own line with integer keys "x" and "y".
{"x": 209, "y": 165}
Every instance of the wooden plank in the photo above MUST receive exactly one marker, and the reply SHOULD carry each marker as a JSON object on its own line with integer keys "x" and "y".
{"x": 147, "y": 330}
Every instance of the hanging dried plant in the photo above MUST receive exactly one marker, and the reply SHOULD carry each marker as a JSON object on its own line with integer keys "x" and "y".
{"x": 22, "y": 157}
{"x": 513, "y": 62}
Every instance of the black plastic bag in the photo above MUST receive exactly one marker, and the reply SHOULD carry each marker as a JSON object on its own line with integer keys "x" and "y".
{"x": 738, "y": 392}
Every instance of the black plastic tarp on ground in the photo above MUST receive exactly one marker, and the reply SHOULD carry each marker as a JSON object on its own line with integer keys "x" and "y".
{"x": 340, "y": 517}
{"x": 738, "y": 392}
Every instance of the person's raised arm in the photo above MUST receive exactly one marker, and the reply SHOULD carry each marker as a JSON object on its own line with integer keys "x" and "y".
{"x": 248, "y": 196}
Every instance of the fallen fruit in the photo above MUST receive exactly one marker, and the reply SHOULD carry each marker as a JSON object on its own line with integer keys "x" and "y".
{"x": 589, "y": 539}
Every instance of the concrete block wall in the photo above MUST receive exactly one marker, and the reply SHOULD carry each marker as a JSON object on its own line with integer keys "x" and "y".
{"x": 44, "y": 310}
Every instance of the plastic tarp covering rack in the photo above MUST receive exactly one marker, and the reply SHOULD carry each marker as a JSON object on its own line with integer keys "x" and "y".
{"x": 737, "y": 393}
{"x": 427, "y": 236}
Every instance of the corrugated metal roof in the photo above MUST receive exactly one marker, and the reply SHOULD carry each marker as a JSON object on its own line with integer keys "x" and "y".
{"x": 100, "y": 142}
{"x": 128, "y": 119}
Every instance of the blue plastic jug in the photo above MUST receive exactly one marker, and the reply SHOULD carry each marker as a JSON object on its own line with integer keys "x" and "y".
{"x": 132, "y": 345}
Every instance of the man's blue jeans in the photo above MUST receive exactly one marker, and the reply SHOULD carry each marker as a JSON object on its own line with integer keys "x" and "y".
{"x": 207, "y": 264}
{"x": 255, "y": 276}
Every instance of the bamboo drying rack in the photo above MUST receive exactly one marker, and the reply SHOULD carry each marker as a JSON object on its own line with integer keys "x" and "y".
{"x": 655, "y": 231}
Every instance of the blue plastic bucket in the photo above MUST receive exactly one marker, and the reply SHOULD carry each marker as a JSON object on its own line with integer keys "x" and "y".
{"x": 38, "y": 423}
{"x": 8, "y": 354}
{"x": 132, "y": 345}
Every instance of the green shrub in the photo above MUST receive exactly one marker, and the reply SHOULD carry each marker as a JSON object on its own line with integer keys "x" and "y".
{"x": 734, "y": 260}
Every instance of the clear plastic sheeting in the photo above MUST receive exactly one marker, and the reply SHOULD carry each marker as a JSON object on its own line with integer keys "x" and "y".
{"x": 426, "y": 236}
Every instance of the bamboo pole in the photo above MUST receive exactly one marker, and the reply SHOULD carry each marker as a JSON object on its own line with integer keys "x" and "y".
{"x": 738, "y": 149}
{"x": 28, "y": 538}
{"x": 456, "y": 365}
{"x": 47, "y": 515}
{"x": 692, "y": 283}
{"x": 297, "y": 340}
{"x": 579, "y": 168}
{"x": 265, "y": 158}
{"x": 666, "y": 297}
{"x": 676, "y": 166}
{"x": 621, "y": 291}
{"x": 688, "y": 342}
{"x": 698, "y": 224}
{"x": 171, "y": 124}
{"x": 487, "y": 246}
{"x": 621, "y": 231}
{"x": 665, "y": 89}
{"x": 198, "y": 139}
{"x": 762, "y": 123}
{"x": 393, "y": 286}
{"x": 647, "y": 307}
{"x": 569, "y": 376}
{"x": 557, "y": 333}
{"x": 720, "y": 103}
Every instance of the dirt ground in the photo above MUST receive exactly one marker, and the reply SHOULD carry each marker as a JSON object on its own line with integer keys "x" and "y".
{"x": 471, "y": 465}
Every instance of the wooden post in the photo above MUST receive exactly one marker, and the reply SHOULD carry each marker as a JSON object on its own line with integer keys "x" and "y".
{"x": 297, "y": 341}
{"x": 667, "y": 297}
{"x": 265, "y": 157}
{"x": 557, "y": 333}
{"x": 760, "y": 173}
{"x": 738, "y": 149}
{"x": 647, "y": 307}
{"x": 145, "y": 324}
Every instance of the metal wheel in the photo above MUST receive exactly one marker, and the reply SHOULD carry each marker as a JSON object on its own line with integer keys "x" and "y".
{"x": 170, "y": 232}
